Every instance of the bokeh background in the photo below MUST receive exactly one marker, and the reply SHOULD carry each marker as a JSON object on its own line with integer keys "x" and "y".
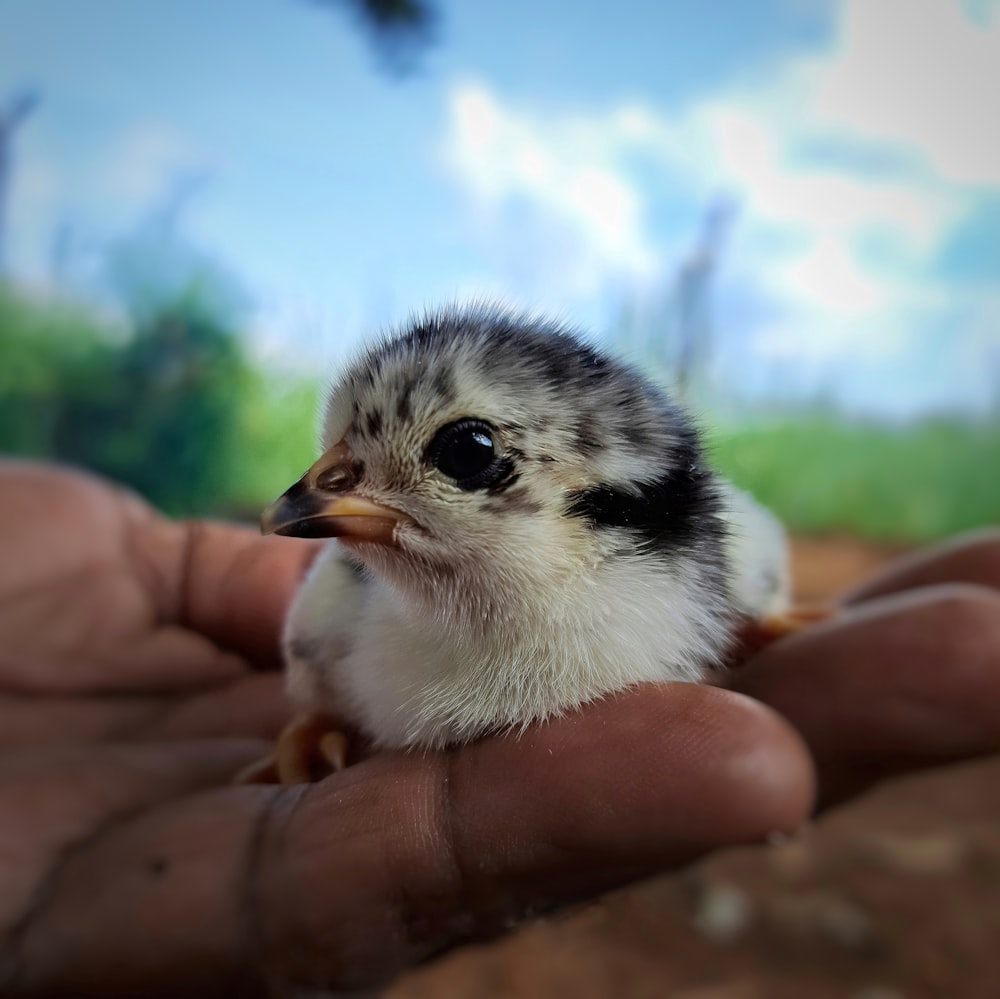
{"x": 790, "y": 209}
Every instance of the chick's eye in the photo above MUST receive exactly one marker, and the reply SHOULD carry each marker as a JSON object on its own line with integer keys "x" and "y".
{"x": 466, "y": 452}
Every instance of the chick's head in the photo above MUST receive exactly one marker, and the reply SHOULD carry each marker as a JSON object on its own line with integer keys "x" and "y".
{"x": 490, "y": 455}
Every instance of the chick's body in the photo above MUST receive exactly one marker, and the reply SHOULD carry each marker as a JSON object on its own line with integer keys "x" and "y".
{"x": 555, "y": 535}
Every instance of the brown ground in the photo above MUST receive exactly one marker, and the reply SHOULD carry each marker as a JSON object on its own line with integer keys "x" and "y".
{"x": 897, "y": 895}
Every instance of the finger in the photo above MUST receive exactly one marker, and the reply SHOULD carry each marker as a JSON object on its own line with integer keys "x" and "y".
{"x": 900, "y": 683}
{"x": 971, "y": 558}
{"x": 251, "y": 707}
{"x": 344, "y": 882}
{"x": 235, "y": 587}
{"x": 159, "y": 661}
{"x": 117, "y": 567}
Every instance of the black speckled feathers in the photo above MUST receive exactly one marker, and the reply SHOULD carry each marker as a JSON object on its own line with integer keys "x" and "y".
{"x": 628, "y": 457}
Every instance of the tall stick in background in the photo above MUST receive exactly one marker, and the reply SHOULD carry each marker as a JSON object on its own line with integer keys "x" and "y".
{"x": 693, "y": 288}
{"x": 12, "y": 116}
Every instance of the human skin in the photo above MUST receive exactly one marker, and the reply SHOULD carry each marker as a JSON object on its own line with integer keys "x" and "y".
{"x": 138, "y": 673}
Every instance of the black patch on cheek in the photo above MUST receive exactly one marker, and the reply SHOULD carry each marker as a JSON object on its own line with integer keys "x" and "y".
{"x": 373, "y": 424}
{"x": 677, "y": 512}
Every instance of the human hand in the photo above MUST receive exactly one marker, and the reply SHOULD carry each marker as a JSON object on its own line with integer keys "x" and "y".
{"x": 905, "y": 676}
{"x": 133, "y": 867}
{"x": 130, "y": 863}
{"x": 115, "y": 621}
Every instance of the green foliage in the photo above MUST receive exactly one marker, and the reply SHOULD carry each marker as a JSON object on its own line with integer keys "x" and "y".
{"x": 154, "y": 405}
{"x": 277, "y": 439}
{"x": 49, "y": 354}
{"x": 821, "y": 472}
{"x": 166, "y": 419}
{"x": 166, "y": 403}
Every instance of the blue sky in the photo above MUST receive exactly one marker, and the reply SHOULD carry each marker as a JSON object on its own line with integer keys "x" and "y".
{"x": 558, "y": 155}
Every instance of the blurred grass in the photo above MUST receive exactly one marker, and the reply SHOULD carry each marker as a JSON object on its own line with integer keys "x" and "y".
{"x": 167, "y": 401}
{"x": 277, "y": 440}
{"x": 824, "y": 473}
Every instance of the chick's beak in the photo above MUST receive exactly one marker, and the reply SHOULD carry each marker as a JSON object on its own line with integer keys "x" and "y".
{"x": 322, "y": 505}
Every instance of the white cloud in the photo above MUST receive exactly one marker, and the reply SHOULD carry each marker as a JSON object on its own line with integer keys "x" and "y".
{"x": 582, "y": 202}
{"x": 87, "y": 204}
{"x": 145, "y": 161}
{"x": 922, "y": 74}
{"x": 853, "y": 168}
{"x": 829, "y": 276}
{"x": 761, "y": 153}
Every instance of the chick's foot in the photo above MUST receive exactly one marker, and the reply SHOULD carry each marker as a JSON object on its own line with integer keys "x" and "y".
{"x": 758, "y": 633}
{"x": 309, "y": 748}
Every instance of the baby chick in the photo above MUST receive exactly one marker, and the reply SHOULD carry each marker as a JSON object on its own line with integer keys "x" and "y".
{"x": 522, "y": 524}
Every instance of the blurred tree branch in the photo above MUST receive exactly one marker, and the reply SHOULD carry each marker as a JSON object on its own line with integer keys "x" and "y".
{"x": 401, "y": 30}
{"x": 12, "y": 116}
